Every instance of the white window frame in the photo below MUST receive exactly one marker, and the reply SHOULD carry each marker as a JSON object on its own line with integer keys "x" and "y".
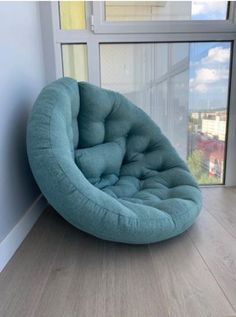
{"x": 99, "y": 31}
{"x": 213, "y": 26}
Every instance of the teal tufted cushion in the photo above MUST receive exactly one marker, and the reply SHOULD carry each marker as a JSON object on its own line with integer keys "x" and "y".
{"x": 101, "y": 163}
{"x": 106, "y": 167}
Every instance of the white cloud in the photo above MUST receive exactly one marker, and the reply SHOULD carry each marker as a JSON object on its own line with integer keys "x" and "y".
{"x": 210, "y": 69}
{"x": 205, "y": 77}
{"x": 209, "y": 75}
{"x": 216, "y": 55}
{"x": 208, "y": 7}
{"x": 203, "y": 88}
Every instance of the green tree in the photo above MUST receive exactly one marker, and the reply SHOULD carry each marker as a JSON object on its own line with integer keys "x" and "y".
{"x": 195, "y": 164}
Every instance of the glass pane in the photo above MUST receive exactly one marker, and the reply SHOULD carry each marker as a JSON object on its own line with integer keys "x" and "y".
{"x": 179, "y": 53}
{"x": 75, "y": 61}
{"x": 184, "y": 88}
{"x": 72, "y": 15}
{"x": 209, "y": 83}
{"x": 165, "y": 10}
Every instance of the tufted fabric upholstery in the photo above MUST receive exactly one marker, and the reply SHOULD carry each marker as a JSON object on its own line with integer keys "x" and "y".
{"x": 106, "y": 167}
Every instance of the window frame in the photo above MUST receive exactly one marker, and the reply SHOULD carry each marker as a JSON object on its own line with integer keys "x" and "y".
{"x": 99, "y": 31}
{"x": 193, "y": 26}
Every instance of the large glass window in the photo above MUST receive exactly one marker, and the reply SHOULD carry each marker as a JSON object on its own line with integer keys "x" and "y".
{"x": 184, "y": 88}
{"x": 171, "y": 58}
{"x": 165, "y": 10}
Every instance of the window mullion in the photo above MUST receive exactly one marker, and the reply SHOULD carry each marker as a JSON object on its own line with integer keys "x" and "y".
{"x": 93, "y": 61}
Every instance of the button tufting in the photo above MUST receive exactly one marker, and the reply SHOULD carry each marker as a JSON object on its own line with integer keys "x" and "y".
{"x": 129, "y": 184}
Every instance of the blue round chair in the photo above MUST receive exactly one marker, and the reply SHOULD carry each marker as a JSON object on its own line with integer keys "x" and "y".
{"x": 105, "y": 166}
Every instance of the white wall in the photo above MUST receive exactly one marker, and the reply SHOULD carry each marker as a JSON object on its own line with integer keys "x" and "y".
{"x": 21, "y": 79}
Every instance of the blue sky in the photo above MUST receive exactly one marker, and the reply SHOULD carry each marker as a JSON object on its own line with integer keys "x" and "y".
{"x": 209, "y": 75}
{"x": 209, "y": 62}
{"x": 209, "y": 10}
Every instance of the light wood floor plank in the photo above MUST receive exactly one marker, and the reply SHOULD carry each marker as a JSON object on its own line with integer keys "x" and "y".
{"x": 188, "y": 286}
{"x": 24, "y": 278}
{"x": 96, "y": 278}
{"x": 221, "y": 204}
{"x": 63, "y": 272}
{"x": 218, "y": 249}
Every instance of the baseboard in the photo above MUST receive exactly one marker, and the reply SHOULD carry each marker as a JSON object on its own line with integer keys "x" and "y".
{"x": 13, "y": 240}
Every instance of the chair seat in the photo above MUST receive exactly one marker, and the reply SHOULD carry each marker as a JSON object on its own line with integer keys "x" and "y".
{"x": 153, "y": 197}
{"x": 106, "y": 167}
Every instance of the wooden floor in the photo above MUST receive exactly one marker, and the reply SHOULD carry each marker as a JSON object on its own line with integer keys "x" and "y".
{"x": 60, "y": 271}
